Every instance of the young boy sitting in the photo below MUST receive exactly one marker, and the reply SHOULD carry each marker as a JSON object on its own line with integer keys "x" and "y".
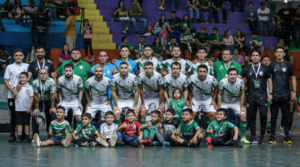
{"x": 84, "y": 135}
{"x": 59, "y": 130}
{"x": 188, "y": 133}
{"x": 169, "y": 127}
{"x": 150, "y": 127}
{"x": 108, "y": 134}
{"x": 129, "y": 131}
{"x": 177, "y": 104}
{"x": 222, "y": 131}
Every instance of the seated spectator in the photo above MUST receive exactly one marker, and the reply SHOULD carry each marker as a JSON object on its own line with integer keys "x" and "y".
{"x": 240, "y": 5}
{"x": 263, "y": 18}
{"x": 286, "y": 48}
{"x": 202, "y": 40}
{"x": 185, "y": 23}
{"x": 216, "y": 41}
{"x": 158, "y": 26}
{"x": 139, "y": 47}
{"x": 31, "y": 55}
{"x": 174, "y": 24}
{"x": 135, "y": 11}
{"x": 158, "y": 49}
{"x": 256, "y": 43}
{"x": 170, "y": 46}
{"x": 122, "y": 16}
{"x": 5, "y": 58}
{"x": 8, "y": 9}
{"x": 297, "y": 27}
{"x": 237, "y": 57}
{"x": 65, "y": 54}
{"x": 29, "y": 10}
{"x": 193, "y": 6}
{"x": 125, "y": 43}
{"x": 164, "y": 36}
{"x": 161, "y": 4}
{"x": 274, "y": 19}
{"x": 187, "y": 41}
{"x": 176, "y": 2}
{"x": 205, "y": 5}
{"x": 240, "y": 38}
{"x": 228, "y": 40}
{"x": 19, "y": 10}
{"x": 218, "y": 6}
{"x": 251, "y": 17}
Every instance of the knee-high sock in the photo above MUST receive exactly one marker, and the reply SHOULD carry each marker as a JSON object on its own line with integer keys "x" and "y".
{"x": 243, "y": 126}
{"x": 78, "y": 123}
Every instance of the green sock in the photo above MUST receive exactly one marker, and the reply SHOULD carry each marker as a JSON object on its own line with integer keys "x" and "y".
{"x": 243, "y": 126}
{"x": 208, "y": 135}
{"x": 143, "y": 122}
{"x": 269, "y": 123}
{"x": 78, "y": 123}
{"x": 197, "y": 119}
{"x": 206, "y": 120}
{"x": 118, "y": 122}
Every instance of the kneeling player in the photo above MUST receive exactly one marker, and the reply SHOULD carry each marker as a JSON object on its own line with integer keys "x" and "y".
{"x": 59, "y": 130}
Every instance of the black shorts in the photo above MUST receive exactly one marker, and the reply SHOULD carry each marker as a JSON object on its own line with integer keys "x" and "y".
{"x": 187, "y": 138}
{"x": 57, "y": 140}
{"x": 22, "y": 118}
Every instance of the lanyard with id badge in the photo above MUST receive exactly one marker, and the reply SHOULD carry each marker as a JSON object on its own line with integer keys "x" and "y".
{"x": 227, "y": 67}
{"x": 256, "y": 81}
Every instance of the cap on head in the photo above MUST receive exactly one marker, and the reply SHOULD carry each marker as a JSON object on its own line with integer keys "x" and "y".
{"x": 202, "y": 28}
{"x": 262, "y": 3}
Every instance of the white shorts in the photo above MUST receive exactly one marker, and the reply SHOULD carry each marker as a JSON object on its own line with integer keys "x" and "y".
{"x": 71, "y": 106}
{"x": 236, "y": 106}
{"x": 123, "y": 103}
{"x": 151, "y": 104}
{"x": 203, "y": 105}
{"x": 99, "y": 107}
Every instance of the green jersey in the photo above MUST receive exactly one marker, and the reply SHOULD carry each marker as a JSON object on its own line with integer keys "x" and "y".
{"x": 178, "y": 106}
{"x": 231, "y": 92}
{"x": 125, "y": 87}
{"x": 216, "y": 38}
{"x": 70, "y": 89}
{"x": 153, "y": 125}
{"x": 204, "y": 2}
{"x": 44, "y": 90}
{"x": 184, "y": 25}
{"x": 128, "y": 44}
{"x": 185, "y": 64}
{"x": 221, "y": 70}
{"x": 188, "y": 130}
{"x": 86, "y": 133}
{"x": 135, "y": 10}
{"x": 151, "y": 85}
{"x": 219, "y": 129}
{"x": 202, "y": 90}
{"x": 258, "y": 39}
{"x": 99, "y": 90}
{"x": 187, "y": 37}
{"x": 194, "y": 67}
{"x": 58, "y": 129}
{"x": 156, "y": 64}
{"x": 140, "y": 48}
{"x": 157, "y": 49}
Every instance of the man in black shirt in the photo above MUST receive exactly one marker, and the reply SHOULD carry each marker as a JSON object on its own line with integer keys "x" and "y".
{"x": 202, "y": 40}
{"x": 281, "y": 72}
{"x": 258, "y": 76}
{"x": 218, "y": 6}
{"x": 174, "y": 24}
{"x": 170, "y": 46}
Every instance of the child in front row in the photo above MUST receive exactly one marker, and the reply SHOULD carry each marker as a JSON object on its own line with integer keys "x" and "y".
{"x": 222, "y": 131}
{"x": 59, "y": 130}
{"x": 188, "y": 133}
{"x": 177, "y": 104}
{"x": 150, "y": 127}
{"x": 84, "y": 135}
{"x": 108, "y": 134}
{"x": 129, "y": 131}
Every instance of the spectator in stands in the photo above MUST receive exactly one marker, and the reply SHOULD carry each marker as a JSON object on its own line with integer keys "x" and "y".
{"x": 218, "y": 6}
{"x": 274, "y": 19}
{"x": 251, "y": 17}
{"x": 187, "y": 41}
{"x": 193, "y": 6}
{"x": 122, "y": 16}
{"x": 174, "y": 24}
{"x": 158, "y": 26}
{"x": 135, "y": 11}
{"x": 202, "y": 40}
{"x": 286, "y": 48}
{"x": 19, "y": 10}
{"x": 170, "y": 46}
{"x": 161, "y": 4}
{"x": 297, "y": 27}
{"x": 31, "y": 55}
{"x": 216, "y": 41}
{"x": 8, "y": 9}
{"x": 125, "y": 43}
{"x": 71, "y": 3}
{"x": 5, "y": 58}
{"x": 65, "y": 54}
{"x": 263, "y": 18}
{"x": 239, "y": 3}
{"x": 239, "y": 38}
{"x": 70, "y": 32}
{"x": 185, "y": 23}
{"x": 237, "y": 57}
{"x": 29, "y": 10}
{"x": 205, "y": 5}
{"x": 176, "y": 2}
{"x": 285, "y": 16}
{"x": 158, "y": 49}
{"x": 164, "y": 36}
{"x": 139, "y": 47}
{"x": 87, "y": 31}
{"x": 256, "y": 43}
{"x": 228, "y": 40}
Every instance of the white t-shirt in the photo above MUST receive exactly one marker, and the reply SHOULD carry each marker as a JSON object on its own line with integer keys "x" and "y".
{"x": 12, "y": 75}
{"x": 23, "y": 98}
{"x": 263, "y": 18}
{"x": 108, "y": 131}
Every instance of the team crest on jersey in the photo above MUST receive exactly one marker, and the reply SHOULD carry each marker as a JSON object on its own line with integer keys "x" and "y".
{"x": 130, "y": 67}
{"x": 27, "y": 91}
{"x": 46, "y": 67}
{"x": 159, "y": 77}
{"x": 221, "y": 68}
{"x": 261, "y": 73}
{"x": 173, "y": 106}
{"x": 79, "y": 79}
{"x": 108, "y": 72}
{"x": 81, "y": 67}
{"x": 284, "y": 70}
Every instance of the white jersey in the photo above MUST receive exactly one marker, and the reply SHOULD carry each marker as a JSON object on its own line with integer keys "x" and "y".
{"x": 70, "y": 89}
{"x": 99, "y": 90}
{"x": 125, "y": 87}
{"x": 185, "y": 64}
{"x": 108, "y": 131}
{"x": 23, "y": 98}
{"x": 151, "y": 85}
{"x": 194, "y": 67}
{"x": 44, "y": 90}
{"x": 156, "y": 64}
{"x": 231, "y": 92}
{"x": 202, "y": 90}
{"x": 171, "y": 83}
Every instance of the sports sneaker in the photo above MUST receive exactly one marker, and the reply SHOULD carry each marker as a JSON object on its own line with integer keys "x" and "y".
{"x": 192, "y": 145}
{"x": 134, "y": 144}
{"x": 261, "y": 139}
{"x": 125, "y": 32}
{"x": 238, "y": 144}
{"x": 272, "y": 140}
{"x": 37, "y": 141}
{"x": 162, "y": 8}
{"x": 208, "y": 140}
{"x": 253, "y": 140}
{"x": 144, "y": 141}
{"x": 92, "y": 144}
{"x": 166, "y": 144}
{"x": 114, "y": 140}
{"x": 149, "y": 142}
{"x": 281, "y": 127}
{"x": 287, "y": 140}
{"x": 147, "y": 34}
{"x": 102, "y": 142}
{"x": 120, "y": 144}
{"x": 244, "y": 140}
{"x": 68, "y": 140}
{"x": 85, "y": 144}
{"x": 26, "y": 140}
{"x": 19, "y": 140}
{"x": 12, "y": 138}
{"x": 156, "y": 143}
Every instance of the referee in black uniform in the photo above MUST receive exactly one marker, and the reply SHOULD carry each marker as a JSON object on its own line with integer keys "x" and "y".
{"x": 281, "y": 72}
{"x": 257, "y": 75}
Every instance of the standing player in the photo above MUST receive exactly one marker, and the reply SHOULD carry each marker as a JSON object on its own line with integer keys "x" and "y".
{"x": 125, "y": 91}
{"x": 151, "y": 85}
{"x": 203, "y": 92}
{"x": 125, "y": 53}
{"x": 175, "y": 80}
{"x": 232, "y": 95}
{"x": 258, "y": 76}
{"x": 70, "y": 92}
{"x": 97, "y": 88}
{"x": 281, "y": 72}
{"x": 201, "y": 54}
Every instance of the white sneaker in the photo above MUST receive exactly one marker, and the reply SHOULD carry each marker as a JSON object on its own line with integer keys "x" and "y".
{"x": 68, "y": 140}
{"x": 159, "y": 7}
{"x": 245, "y": 141}
{"x": 114, "y": 140}
{"x": 162, "y": 8}
{"x": 85, "y": 144}
{"x": 147, "y": 34}
{"x": 102, "y": 142}
{"x": 37, "y": 141}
